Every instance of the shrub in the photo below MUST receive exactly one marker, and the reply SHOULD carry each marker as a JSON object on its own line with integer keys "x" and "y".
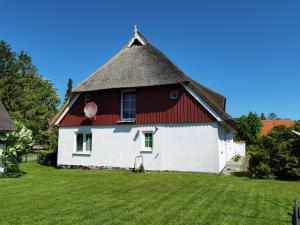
{"x": 236, "y": 158}
{"x": 284, "y": 153}
{"x": 47, "y": 157}
{"x": 259, "y": 162}
{"x": 11, "y": 165}
{"x": 277, "y": 154}
{"x": 17, "y": 143}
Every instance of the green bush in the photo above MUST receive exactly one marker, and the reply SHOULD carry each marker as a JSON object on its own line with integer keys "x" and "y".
{"x": 277, "y": 154}
{"x": 285, "y": 153}
{"x": 236, "y": 158}
{"x": 11, "y": 165}
{"x": 17, "y": 143}
{"x": 47, "y": 157}
{"x": 259, "y": 162}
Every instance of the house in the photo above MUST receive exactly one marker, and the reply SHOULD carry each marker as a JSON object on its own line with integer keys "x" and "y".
{"x": 268, "y": 125}
{"x": 6, "y": 124}
{"x": 140, "y": 104}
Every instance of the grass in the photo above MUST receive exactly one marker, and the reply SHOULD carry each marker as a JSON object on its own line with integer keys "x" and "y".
{"x": 45, "y": 195}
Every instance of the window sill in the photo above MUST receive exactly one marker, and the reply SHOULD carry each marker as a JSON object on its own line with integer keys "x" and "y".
{"x": 146, "y": 151}
{"x": 126, "y": 121}
{"x": 82, "y": 153}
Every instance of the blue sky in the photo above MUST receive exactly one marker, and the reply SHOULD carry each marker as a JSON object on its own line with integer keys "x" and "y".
{"x": 248, "y": 51}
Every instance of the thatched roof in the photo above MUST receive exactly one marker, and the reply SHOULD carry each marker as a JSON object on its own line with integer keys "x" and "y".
{"x": 140, "y": 64}
{"x": 134, "y": 66}
{"x": 6, "y": 122}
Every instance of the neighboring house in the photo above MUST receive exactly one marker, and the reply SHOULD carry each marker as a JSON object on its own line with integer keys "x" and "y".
{"x": 144, "y": 105}
{"x": 6, "y": 124}
{"x": 268, "y": 125}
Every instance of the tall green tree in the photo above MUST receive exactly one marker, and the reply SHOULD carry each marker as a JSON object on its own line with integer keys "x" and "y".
{"x": 69, "y": 89}
{"x": 272, "y": 116}
{"x": 27, "y": 96}
{"x": 263, "y": 116}
{"x": 249, "y": 128}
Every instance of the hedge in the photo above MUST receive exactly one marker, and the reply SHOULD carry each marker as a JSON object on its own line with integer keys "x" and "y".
{"x": 47, "y": 157}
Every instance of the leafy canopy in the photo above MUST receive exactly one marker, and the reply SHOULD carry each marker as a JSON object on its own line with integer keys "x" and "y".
{"x": 277, "y": 154}
{"x": 27, "y": 96}
{"x": 249, "y": 128}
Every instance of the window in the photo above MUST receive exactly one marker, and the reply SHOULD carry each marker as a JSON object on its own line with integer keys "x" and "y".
{"x": 83, "y": 143}
{"x": 79, "y": 141}
{"x": 128, "y": 106}
{"x": 88, "y": 142}
{"x": 173, "y": 95}
{"x": 148, "y": 141}
{"x": 87, "y": 98}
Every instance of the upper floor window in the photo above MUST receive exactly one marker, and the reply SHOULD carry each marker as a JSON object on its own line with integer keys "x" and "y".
{"x": 87, "y": 98}
{"x": 174, "y": 95}
{"x": 128, "y": 106}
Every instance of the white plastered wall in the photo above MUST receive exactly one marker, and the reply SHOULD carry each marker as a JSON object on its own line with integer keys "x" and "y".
{"x": 1, "y": 150}
{"x": 226, "y": 146}
{"x": 176, "y": 147}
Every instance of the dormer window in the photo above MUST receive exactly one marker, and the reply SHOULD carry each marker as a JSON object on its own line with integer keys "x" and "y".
{"x": 137, "y": 39}
{"x": 87, "y": 98}
{"x": 128, "y": 106}
{"x": 174, "y": 95}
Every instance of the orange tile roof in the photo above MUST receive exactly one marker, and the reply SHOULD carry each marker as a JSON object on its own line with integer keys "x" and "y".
{"x": 269, "y": 124}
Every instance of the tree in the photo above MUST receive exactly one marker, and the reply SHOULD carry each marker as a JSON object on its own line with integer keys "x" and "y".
{"x": 27, "y": 96}
{"x": 248, "y": 128}
{"x": 284, "y": 153}
{"x": 17, "y": 143}
{"x": 8, "y": 60}
{"x": 259, "y": 161}
{"x": 69, "y": 89}
{"x": 262, "y": 116}
{"x": 272, "y": 116}
{"x": 277, "y": 154}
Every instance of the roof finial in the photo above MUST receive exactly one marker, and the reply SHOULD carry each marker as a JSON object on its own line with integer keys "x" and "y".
{"x": 135, "y": 29}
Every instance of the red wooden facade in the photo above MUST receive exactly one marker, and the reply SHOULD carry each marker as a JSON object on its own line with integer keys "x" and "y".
{"x": 153, "y": 105}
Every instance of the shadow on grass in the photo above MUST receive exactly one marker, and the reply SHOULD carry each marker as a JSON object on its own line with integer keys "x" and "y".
{"x": 241, "y": 174}
{"x": 255, "y": 217}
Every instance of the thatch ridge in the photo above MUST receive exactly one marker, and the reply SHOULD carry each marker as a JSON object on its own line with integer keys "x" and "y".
{"x": 135, "y": 66}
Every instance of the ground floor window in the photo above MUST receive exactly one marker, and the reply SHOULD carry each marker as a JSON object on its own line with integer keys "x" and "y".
{"x": 83, "y": 142}
{"x": 147, "y": 141}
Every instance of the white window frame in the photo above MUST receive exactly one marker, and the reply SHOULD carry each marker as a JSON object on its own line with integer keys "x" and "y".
{"x": 144, "y": 148}
{"x": 84, "y": 150}
{"x": 127, "y": 119}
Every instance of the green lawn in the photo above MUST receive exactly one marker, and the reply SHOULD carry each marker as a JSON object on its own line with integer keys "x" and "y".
{"x": 69, "y": 196}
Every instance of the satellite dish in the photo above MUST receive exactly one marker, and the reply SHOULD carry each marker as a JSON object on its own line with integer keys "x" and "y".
{"x": 90, "y": 110}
